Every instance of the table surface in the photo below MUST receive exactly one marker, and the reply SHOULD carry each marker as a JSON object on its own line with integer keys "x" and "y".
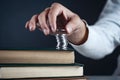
{"x": 103, "y": 77}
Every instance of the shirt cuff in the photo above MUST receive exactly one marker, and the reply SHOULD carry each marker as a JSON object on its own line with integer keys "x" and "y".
{"x": 89, "y": 40}
{"x": 88, "y": 48}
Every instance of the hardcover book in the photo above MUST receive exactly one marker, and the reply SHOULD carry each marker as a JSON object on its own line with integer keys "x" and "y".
{"x": 9, "y": 71}
{"x": 37, "y": 56}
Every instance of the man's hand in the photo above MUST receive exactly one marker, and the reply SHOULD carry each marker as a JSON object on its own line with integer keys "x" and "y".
{"x": 58, "y": 16}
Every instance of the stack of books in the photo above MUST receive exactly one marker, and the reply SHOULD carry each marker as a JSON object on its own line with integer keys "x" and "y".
{"x": 40, "y": 65}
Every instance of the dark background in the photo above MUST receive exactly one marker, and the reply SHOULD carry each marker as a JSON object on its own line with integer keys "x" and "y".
{"x": 15, "y": 13}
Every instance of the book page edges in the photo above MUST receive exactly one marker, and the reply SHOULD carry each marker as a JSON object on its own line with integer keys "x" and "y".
{"x": 36, "y": 56}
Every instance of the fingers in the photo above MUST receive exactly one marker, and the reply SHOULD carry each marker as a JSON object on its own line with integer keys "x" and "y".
{"x": 55, "y": 10}
{"x": 42, "y": 20}
{"x": 48, "y": 21}
{"x": 32, "y": 23}
{"x": 73, "y": 24}
{"x": 26, "y": 25}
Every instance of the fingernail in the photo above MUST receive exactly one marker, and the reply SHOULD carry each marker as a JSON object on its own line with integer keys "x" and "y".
{"x": 53, "y": 29}
{"x": 45, "y": 31}
{"x": 69, "y": 30}
{"x": 30, "y": 28}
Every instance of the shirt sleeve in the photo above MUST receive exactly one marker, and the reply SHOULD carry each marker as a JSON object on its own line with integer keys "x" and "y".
{"x": 104, "y": 35}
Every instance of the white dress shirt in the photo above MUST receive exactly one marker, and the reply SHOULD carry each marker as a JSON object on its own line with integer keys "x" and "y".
{"x": 104, "y": 35}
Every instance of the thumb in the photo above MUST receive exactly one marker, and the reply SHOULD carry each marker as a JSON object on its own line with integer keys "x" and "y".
{"x": 73, "y": 24}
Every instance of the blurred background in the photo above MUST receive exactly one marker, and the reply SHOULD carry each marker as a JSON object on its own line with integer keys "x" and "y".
{"x": 13, "y": 35}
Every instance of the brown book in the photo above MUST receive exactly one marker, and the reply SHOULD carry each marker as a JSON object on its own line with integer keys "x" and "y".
{"x": 37, "y": 56}
{"x": 41, "y": 71}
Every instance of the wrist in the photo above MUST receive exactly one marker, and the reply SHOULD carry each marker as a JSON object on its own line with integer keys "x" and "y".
{"x": 85, "y": 33}
{"x": 79, "y": 36}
